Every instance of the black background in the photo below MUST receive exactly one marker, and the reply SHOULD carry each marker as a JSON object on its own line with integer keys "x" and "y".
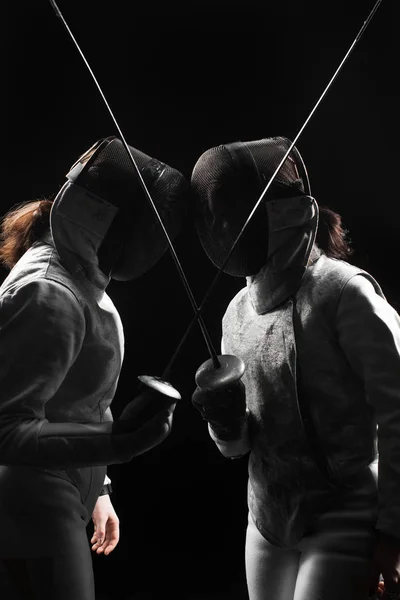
{"x": 181, "y": 79}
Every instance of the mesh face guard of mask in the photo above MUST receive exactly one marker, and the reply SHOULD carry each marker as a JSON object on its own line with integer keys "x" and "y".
{"x": 226, "y": 183}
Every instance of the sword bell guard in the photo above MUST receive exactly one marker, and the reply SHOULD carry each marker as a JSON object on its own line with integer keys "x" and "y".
{"x": 208, "y": 377}
{"x": 159, "y": 385}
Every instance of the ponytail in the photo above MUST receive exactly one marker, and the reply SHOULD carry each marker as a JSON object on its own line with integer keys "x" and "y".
{"x": 331, "y": 235}
{"x": 21, "y": 227}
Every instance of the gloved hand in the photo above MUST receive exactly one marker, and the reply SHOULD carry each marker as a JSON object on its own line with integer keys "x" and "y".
{"x": 156, "y": 396}
{"x": 223, "y": 409}
{"x": 386, "y": 561}
{"x": 145, "y": 422}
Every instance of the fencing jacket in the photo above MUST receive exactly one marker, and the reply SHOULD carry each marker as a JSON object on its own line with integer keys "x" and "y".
{"x": 61, "y": 351}
{"x": 337, "y": 343}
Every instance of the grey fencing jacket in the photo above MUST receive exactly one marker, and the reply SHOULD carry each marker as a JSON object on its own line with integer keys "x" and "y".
{"x": 336, "y": 342}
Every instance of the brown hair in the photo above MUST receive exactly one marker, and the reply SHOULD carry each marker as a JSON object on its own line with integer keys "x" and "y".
{"x": 332, "y": 235}
{"x": 21, "y": 227}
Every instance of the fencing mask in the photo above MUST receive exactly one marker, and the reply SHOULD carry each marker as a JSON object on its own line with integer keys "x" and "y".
{"x": 102, "y": 214}
{"x": 226, "y": 183}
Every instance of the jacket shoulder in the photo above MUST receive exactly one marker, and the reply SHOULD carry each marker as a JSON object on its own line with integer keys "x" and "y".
{"x": 236, "y": 304}
{"x": 326, "y": 279}
{"x": 40, "y": 263}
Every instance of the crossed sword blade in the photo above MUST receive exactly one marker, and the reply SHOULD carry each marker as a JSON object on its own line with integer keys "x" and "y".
{"x": 198, "y": 310}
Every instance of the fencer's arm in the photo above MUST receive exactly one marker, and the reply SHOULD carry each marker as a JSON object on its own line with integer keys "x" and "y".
{"x": 369, "y": 333}
{"x": 232, "y": 448}
{"x": 42, "y": 328}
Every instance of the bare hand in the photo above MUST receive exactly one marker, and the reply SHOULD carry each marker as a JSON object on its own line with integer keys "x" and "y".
{"x": 386, "y": 562}
{"x": 106, "y": 526}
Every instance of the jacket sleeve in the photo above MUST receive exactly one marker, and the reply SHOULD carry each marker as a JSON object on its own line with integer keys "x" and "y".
{"x": 42, "y": 328}
{"x": 369, "y": 333}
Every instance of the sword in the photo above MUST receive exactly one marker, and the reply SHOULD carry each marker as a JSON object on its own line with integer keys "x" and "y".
{"x": 249, "y": 218}
{"x": 220, "y": 371}
{"x": 157, "y": 383}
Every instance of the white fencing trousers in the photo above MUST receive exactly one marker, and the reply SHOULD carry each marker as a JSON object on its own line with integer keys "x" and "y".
{"x": 332, "y": 562}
